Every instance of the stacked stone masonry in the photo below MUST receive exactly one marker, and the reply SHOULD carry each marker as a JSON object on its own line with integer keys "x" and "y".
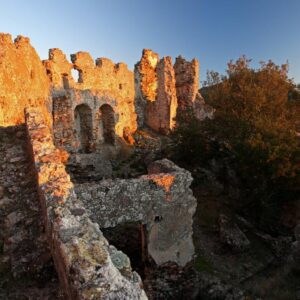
{"x": 152, "y": 95}
{"x": 87, "y": 266}
{"x": 164, "y": 90}
{"x": 152, "y": 199}
{"x": 104, "y": 90}
{"x": 187, "y": 88}
{"x": 23, "y": 81}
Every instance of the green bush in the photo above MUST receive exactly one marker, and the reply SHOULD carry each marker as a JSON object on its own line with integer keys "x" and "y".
{"x": 255, "y": 124}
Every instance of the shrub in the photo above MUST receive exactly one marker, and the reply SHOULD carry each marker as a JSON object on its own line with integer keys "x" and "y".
{"x": 254, "y": 122}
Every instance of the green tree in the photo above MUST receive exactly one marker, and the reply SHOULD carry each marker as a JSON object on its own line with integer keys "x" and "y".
{"x": 254, "y": 118}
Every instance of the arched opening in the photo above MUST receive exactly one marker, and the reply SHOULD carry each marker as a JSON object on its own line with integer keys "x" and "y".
{"x": 84, "y": 127}
{"x": 77, "y": 75}
{"x": 108, "y": 123}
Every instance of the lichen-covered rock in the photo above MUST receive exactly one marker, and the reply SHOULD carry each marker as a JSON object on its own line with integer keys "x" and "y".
{"x": 152, "y": 199}
{"x": 23, "y": 81}
{"x": 81, "y": 254}
{"x": 120, "y": 261}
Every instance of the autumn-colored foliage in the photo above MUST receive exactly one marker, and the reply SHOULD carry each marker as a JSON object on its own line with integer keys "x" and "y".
{"x": 255, "y": 119}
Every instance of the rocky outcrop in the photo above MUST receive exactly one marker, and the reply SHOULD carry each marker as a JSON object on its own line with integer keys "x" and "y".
{"x": 152, "y": 199}
{"x": 87, "y": 266}
{"x": 23, "y": 81}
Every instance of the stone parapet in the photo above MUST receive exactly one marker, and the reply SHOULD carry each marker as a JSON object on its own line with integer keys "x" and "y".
{"x": 87, "y": 266}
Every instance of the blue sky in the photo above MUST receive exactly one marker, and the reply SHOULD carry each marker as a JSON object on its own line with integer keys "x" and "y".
{"x": 214, "y": 31}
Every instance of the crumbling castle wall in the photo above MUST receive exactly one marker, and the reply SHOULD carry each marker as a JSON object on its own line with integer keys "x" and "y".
{"x": 112, "y": 94}
{"x": 104, "y": 88}
{"x": 187, "y": 81}
{"x": 87, "y": 266}
{"x": 145, "y": 83}
{"x": 187, "y": 88}
{"x": 160, "y": 114}
{"x": 152, "y": 199}
{"x": 23, "y": 81}
{"x": 155, "y": 92}
{"x": 164, "y": 90}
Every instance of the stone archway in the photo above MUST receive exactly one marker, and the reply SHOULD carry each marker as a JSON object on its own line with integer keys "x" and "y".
{"x": 107, "y": 120}
{"x": 83, "y": 127}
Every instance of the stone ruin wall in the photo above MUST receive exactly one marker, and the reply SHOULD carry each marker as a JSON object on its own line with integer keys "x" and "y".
{"x": 148, "y": 96}
{"x": 151, "y": 96}
{"x": 156, "y": 99}
{"x": 152, "y": 200}
{"x": 164, "y": 90}
{"x": 187, "y": 88}
{"x": 23, "y": 81}
{"x": 84, "y": 260}
{"x": 187, "y": 81}
{"x": 87, "y": 266}
{"x": 103, "y": 83}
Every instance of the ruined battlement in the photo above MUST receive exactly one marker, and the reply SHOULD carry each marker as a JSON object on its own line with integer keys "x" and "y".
{"x": 150, "y": 96}
{"x": 99, "y": 75}
{"x": 103, "y": 87}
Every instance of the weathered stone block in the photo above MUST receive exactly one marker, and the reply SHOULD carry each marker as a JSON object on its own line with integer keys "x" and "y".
{"x": 152, "y": 199}
{"x": 23, "y": 81}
